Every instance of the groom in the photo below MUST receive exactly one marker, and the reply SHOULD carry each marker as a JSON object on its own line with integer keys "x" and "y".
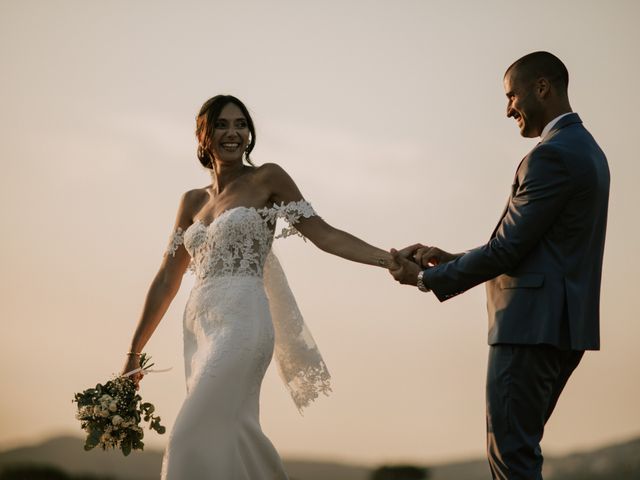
{"x": 542, "y": 265}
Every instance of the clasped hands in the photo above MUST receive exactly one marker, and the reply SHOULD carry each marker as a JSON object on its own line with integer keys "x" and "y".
{"x": 411, "y": 260}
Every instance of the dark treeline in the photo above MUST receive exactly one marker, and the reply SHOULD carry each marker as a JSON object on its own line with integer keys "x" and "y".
{"x": 42, "y": 472}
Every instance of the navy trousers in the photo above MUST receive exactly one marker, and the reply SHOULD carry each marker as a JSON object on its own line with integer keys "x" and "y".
{"x": 524, "y": 383}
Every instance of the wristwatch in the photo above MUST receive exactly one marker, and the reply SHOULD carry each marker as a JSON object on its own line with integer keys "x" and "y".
{"x": 420, "y": 284}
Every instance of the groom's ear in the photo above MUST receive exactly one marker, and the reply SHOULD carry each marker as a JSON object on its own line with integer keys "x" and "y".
{"x": 542, "y": 88}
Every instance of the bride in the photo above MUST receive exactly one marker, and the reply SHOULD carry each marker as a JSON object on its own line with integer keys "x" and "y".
{"x": 240, "y": 309}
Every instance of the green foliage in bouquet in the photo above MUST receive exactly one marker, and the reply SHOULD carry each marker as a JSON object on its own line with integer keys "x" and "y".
{"x": 111, "y": 414}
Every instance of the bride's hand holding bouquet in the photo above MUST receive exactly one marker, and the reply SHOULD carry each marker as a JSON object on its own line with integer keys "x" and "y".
{"x": 134, "y": 364}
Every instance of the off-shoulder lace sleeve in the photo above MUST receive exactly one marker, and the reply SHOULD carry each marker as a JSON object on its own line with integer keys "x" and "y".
{"x": 176, "y": 239}
{"x": 292, "y": 212}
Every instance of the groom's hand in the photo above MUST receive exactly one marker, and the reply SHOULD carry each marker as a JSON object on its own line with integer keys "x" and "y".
{"x": 404, "y": 271}
{"x": 431, "y": 256}
{"x": 410, "y": 251}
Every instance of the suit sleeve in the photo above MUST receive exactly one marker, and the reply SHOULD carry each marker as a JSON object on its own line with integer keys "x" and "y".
{"x": 532, "y": 210}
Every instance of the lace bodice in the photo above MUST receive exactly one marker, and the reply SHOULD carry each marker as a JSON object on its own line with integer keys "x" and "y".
{"x": 238, "y": 240}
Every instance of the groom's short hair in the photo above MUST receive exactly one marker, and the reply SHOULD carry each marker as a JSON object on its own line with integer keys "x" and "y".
{"x": 542, "y": 64}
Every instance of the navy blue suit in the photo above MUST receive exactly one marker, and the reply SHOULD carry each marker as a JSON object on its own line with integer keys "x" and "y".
{"x": 542, "y": 267}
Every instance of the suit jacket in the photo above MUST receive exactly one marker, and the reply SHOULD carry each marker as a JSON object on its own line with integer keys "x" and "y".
{"x": 543, "y": 262}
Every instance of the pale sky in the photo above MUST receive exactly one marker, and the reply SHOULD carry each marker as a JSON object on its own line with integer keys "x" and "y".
{"x": 390, "y": 116}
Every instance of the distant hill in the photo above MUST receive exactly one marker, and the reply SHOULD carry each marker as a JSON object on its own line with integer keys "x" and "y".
{"x": 615, "y": 462}
{"x": 620, "y": 461}
{"x": 67, "y": 453}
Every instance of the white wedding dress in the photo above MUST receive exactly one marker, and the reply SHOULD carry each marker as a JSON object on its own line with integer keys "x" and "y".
{"x": 239, "y": 310}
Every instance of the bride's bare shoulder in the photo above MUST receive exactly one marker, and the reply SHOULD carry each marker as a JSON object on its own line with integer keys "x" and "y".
{"x": 279, "y": 183}
{"x": 192, "y": 201}
{"x": 272, "y": 172}
{"x": 196, "y": 194}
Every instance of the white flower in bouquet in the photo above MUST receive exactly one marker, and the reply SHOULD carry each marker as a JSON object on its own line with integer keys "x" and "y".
{"x": 117, "y": 420}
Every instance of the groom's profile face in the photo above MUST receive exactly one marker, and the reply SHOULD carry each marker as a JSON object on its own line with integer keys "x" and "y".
{"x": 523, "y": 104}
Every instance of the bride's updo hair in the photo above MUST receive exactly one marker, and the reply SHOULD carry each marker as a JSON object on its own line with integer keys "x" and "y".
{"x": 206, "y": 120}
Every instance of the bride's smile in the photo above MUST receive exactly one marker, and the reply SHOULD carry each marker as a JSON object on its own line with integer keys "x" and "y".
{"x": 230, "y": 135}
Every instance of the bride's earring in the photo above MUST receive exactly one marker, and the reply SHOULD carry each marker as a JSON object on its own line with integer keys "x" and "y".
{"x": 203, "y": 154}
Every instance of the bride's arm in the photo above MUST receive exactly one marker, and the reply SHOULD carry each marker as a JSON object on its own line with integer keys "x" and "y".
{"x": 164, "y": 286}
{"x": 323, "y": 235}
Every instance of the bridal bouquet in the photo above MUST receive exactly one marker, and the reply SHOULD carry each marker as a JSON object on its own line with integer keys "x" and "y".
{"x": 111, "y": 413}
